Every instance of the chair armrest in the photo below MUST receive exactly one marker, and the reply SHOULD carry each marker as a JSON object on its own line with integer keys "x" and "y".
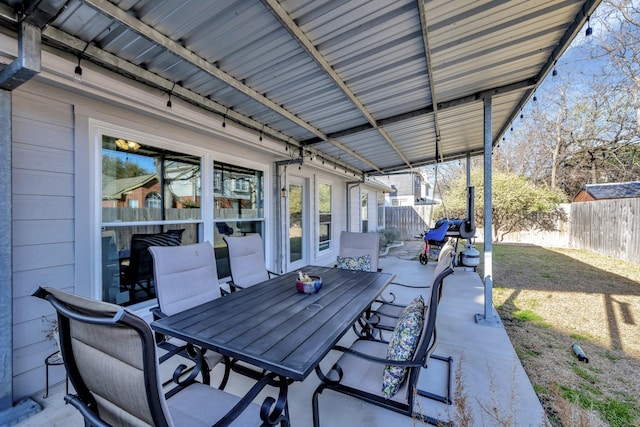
{"x": 86, "y": 412}
{"x": 233, "y": 287}
{"x": 157, "y": 313}
{"x": 379, "y": 360}
{"x": 373, "y": 359}
{"x": 409, "y": 286}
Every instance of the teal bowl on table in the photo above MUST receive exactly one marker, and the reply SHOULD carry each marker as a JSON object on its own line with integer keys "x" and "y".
{"x": 310, "y": 287}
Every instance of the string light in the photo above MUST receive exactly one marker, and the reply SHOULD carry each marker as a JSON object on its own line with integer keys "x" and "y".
{"x": 224, "y": 118}
{"x": 77, "y": 74}
{"x": 589, "y": 30}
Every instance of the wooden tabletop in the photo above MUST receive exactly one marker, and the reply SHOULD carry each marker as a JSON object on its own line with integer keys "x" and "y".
{"x": 273, "y": 326}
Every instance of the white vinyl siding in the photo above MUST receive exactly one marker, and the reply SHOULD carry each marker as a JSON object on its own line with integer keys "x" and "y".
{"x": 43, "y": 226}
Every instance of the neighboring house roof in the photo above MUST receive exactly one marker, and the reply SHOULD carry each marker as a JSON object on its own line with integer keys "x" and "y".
{"x": 113, "y": 189}
{"x": 613, "y": 190}
{"x": 378, "y": 184}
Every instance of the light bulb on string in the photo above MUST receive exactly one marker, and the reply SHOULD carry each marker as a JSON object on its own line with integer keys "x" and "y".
{"x": 77, "y": 73}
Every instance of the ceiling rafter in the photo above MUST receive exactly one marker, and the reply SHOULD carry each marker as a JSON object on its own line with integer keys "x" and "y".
{"x": 114, "y": 12}
{"x": 422, "y": 11}
{"x": 476, "y": 97}
{"x": 113, "y": 62}
{"x": 288, "y": 23}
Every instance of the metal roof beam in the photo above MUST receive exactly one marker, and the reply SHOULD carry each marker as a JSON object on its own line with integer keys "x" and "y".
{"x": 27, "y": 64}
{"x": 476, "y": 97}
{"x": 422, "y": 11}
{"x": 285, "y": 20}
{"x": 426, "y": 161}
{"x": 114, "y": 12}
{"x": 119, "y": 65}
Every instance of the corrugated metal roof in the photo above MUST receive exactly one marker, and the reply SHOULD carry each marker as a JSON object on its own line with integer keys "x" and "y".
{"x": 373, "y": 84}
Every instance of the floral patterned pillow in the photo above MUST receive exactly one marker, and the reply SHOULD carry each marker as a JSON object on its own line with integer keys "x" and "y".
{"x": 359, "y": 263}
{"x": 402, "y": 345}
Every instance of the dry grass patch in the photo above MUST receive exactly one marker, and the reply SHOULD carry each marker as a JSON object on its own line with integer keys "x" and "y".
{"x": 550, "y": 299}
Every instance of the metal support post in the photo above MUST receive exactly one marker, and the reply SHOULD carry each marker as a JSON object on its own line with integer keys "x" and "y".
{"x": 488, "y": 317}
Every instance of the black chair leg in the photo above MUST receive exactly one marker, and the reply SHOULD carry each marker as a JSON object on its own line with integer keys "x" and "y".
{"x": 227, "y": 371}
{"x": 316, "y": 409}
{"x": 447, "y": 397}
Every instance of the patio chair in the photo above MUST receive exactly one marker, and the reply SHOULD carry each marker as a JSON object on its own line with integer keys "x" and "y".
{"x": 186, "y": 276}
{"x": 358, "y": 251}
{"x": 385, "y": 316}
{"x": 111, "y": 359}
{"x": 360, "y": 369}
{"x": 139, "y": 271}
{"x": 246, "y": 261}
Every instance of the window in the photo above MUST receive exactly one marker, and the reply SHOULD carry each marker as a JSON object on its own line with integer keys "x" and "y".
{"x": 145, "y": 191}
{"x": 324, "y": 208}
{"x": 153, "y": 201}
{"x": 238, "y": 195}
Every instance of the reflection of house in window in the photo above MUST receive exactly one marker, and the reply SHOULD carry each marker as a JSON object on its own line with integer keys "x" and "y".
{"x": 153, "y": 200}
{"x": 217, "y": 181}
{"x": 132, "y": 203}
{"x": 241, "y": 185}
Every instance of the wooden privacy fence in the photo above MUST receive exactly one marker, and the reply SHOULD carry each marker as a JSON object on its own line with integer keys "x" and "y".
{"x": 608, "y": 227}
{"x": 410, "y": 220}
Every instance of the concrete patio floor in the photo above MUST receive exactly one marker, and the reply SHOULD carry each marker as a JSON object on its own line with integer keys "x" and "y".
{"x": 487, "y": 371}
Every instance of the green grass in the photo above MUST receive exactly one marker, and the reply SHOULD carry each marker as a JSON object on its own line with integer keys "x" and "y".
{"x": 612, "y": 357}
{"x": 541, "y": 389}
{"x": 583, "y": 374}
{"x": 614, "y": 412}
{"x": 527, "y": 315}
{"x": 580, "y": 337}
{"x": 526, "y": 281}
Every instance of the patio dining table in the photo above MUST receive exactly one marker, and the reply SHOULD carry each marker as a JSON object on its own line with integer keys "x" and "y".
{"x": 273, "y": 326}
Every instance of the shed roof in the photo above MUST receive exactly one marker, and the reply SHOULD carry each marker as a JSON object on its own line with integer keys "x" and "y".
{"x": 613, "y": 190}
{"x": 371, "y": 85}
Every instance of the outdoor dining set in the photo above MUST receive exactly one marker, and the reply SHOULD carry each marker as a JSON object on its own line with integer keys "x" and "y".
{"x": 261, "y": 326}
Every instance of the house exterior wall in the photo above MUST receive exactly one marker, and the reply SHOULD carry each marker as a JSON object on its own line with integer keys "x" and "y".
{"x": 53, "y": 203}
{"x": 43, "y": 226}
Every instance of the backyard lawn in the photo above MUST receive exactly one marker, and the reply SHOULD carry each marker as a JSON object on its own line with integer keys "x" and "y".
{"x": 550, "y": 299}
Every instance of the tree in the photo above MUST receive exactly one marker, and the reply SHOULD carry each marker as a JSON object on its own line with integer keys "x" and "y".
{"x": 585, "y": 125}
{"x": 118, "y": 168}
{"x": 517, "y": 204}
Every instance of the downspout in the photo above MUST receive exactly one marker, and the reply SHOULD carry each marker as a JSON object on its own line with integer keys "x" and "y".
{"x": 488, "y": 317}
{"x": 349, "y": 185}
{"x": 281, "y": 197}
{"x": 21, "y": 70}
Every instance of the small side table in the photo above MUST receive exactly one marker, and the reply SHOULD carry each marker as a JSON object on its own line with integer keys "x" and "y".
{"x": 54, "y": 359}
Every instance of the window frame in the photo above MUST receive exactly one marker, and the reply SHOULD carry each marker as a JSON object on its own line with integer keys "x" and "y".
{"x": 88, "y": 212}
{"x": 331, "y": 208}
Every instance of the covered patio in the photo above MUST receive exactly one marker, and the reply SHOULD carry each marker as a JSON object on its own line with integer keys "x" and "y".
{"x": 291, "y": 95}
{"x": 488, "y": 372}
